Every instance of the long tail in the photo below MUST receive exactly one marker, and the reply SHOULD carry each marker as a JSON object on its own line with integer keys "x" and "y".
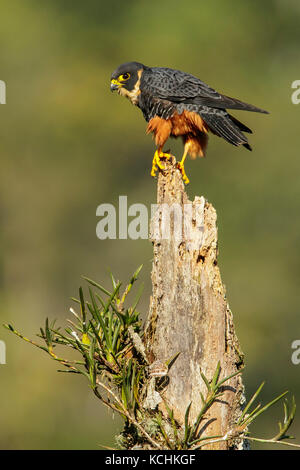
{"x": 233, "y": 103}
{"x": 224, "y": 102}
{"x": 226, "y": 126}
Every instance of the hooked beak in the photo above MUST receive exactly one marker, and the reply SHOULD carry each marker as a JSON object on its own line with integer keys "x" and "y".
{"x": 114, "y": 85}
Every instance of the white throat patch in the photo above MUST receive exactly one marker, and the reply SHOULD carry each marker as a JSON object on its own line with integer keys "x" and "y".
{"x": 132, "y": 95}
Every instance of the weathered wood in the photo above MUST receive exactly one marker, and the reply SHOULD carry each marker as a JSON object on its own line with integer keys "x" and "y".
{"x": 189, "y": 313}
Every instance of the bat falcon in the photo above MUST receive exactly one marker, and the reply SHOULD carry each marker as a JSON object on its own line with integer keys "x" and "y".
{"x": 176, "y": 103}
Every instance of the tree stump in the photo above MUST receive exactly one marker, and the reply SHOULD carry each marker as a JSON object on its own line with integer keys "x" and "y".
{"x": 189, "y": 313}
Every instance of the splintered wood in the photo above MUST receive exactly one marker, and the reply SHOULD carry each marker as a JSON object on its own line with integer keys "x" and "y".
{"x": 189, "y": 313}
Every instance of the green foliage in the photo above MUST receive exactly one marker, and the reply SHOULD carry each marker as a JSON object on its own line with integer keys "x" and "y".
{"x": 213, "y": 393}
{"x": 99, "y": 333}
{"x": 104, "y": 334}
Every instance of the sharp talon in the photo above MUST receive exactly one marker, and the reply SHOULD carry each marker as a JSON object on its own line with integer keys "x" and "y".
{"x": 156, "y": 162}
{"x": 180, "y": 167}
{"x": 154, "y": 165}
{"x": 153, "y": 171}
{"x": 165, "y": 155}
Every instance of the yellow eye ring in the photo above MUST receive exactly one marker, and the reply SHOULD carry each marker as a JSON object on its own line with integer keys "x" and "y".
{"x": 124, "y": 77}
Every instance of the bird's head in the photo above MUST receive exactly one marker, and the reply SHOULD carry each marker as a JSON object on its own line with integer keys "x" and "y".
{"x": 126, "y": 79}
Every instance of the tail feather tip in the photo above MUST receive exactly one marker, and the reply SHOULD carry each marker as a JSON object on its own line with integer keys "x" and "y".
{"x": 248, "y": 147}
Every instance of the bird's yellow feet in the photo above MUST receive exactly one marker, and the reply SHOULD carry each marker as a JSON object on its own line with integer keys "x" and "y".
{"x": 156, "y": 162}
{"x": 180, "y": 166}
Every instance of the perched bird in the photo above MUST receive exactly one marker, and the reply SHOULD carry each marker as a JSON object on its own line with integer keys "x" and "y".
{"x": 174, "y": 104}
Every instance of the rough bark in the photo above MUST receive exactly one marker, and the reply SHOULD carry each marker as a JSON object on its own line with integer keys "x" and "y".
{"x": 189, "y": 313}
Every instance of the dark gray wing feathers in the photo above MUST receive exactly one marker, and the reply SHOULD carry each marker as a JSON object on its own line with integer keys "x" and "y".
{"x": 180, "y": 87}
{"x": 221, "y": 124}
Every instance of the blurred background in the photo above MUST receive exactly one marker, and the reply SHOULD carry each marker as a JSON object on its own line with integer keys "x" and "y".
{"x": 68, "y": 145}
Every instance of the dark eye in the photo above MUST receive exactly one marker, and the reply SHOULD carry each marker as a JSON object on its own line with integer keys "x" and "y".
{"x": 125, "y": 76}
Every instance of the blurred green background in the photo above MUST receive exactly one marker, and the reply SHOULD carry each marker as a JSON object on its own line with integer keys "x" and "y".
{"x": 68, "y": 145}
